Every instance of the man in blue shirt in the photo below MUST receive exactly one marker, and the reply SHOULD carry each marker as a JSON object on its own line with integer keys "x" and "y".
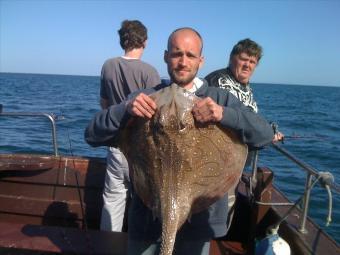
{"x": 183, "y": 58}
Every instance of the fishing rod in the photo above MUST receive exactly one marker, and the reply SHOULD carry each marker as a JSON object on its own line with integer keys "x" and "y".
{"x": 326, "y": 179}
{"x": 296, "y": 136}
{"x": 275, "y": 127}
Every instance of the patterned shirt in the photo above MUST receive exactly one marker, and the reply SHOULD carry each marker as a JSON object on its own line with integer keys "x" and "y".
{"x": 223, "y": 78}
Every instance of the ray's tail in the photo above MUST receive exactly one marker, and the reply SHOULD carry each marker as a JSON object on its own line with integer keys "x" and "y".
{"x": 175, "y": 209}
{"x": 169, "y": 230}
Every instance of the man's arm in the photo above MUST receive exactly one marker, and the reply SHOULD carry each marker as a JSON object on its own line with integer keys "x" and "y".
{"x": 104, "y": 128}
{"x": 251, "y": 127}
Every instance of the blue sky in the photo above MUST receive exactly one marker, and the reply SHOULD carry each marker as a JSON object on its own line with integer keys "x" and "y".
{"x": 301, "y": 39}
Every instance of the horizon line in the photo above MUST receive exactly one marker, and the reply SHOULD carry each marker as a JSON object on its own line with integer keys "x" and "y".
{"x": 166, "y": 77}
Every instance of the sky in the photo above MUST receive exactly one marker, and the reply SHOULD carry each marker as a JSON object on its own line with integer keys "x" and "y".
{"x": 300, "y": 39}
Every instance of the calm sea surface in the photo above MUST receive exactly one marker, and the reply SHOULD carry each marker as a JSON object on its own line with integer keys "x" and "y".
{"x": 310, "y": 112}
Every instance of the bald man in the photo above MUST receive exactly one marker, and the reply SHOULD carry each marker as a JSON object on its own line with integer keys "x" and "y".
{"x": 183, "y": 58}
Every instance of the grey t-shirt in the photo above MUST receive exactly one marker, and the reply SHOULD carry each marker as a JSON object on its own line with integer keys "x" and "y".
{"x": 121, "y": 76}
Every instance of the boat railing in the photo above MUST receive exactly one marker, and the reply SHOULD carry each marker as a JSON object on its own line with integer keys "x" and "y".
{"x": 325, "y": 178}
{"x": 50, "y": 117}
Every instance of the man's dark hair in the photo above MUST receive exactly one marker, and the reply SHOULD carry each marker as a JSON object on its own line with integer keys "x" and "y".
{"x": 249, "y": 47}
{"x": 132, "y": 34}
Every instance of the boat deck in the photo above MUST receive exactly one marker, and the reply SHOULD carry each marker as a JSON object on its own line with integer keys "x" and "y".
{"x": 51, "y": 205}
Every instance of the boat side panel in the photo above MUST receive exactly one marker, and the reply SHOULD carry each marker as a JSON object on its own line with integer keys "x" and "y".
{"x": 59, "y": 189}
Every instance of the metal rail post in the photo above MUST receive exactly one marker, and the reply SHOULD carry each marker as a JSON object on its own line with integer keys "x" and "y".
{"x": 38, "y": 114}
{"x": 305, "y": 207}
{"x": 310, "y": 171}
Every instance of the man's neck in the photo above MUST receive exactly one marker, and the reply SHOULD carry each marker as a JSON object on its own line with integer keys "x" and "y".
{"x": 194, "y": 85}
{"x": 189, "y": 85}
{"x": 134, "y": 53}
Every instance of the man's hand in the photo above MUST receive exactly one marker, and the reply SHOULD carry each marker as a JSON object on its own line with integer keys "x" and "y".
{"x": 141, "y": 106}
{"x": 278, "y": 137}
{"x": 207, "y": 110}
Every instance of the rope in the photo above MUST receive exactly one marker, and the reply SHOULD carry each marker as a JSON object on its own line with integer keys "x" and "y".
{"x": 330, "y": 202}
{"x": 326, "y": 179}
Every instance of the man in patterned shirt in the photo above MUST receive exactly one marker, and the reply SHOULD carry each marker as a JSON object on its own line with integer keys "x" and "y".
{"x": 244, "y": 58}
{"x": 242, "y": 63}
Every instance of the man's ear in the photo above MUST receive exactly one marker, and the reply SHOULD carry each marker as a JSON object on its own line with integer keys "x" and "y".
{"x": 165, "y": 57}
{"x": 201, "y": 62}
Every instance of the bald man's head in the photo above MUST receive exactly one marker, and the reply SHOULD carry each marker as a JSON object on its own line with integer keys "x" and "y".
{"x": 185, "y": 30}
{"x": 184, "y": 56}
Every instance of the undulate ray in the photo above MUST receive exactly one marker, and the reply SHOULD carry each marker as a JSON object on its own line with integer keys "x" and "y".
{"x": 179, "y": 167}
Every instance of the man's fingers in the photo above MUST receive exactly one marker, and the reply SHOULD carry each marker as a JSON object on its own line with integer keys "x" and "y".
{"x": 146, "y": 105}
{"x": 278, "y": 137}
{"x": 143, "y": 111}
{"x": 142, "y": 106}
{"x": 149, "y": 104}
{"x": 206, "y": 110}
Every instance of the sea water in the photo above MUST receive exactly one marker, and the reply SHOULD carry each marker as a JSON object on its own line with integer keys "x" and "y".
{"x": 310, "y": 115}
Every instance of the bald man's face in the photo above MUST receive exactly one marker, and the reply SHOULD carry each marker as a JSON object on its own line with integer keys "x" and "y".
{"x": 184, "y": 57}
